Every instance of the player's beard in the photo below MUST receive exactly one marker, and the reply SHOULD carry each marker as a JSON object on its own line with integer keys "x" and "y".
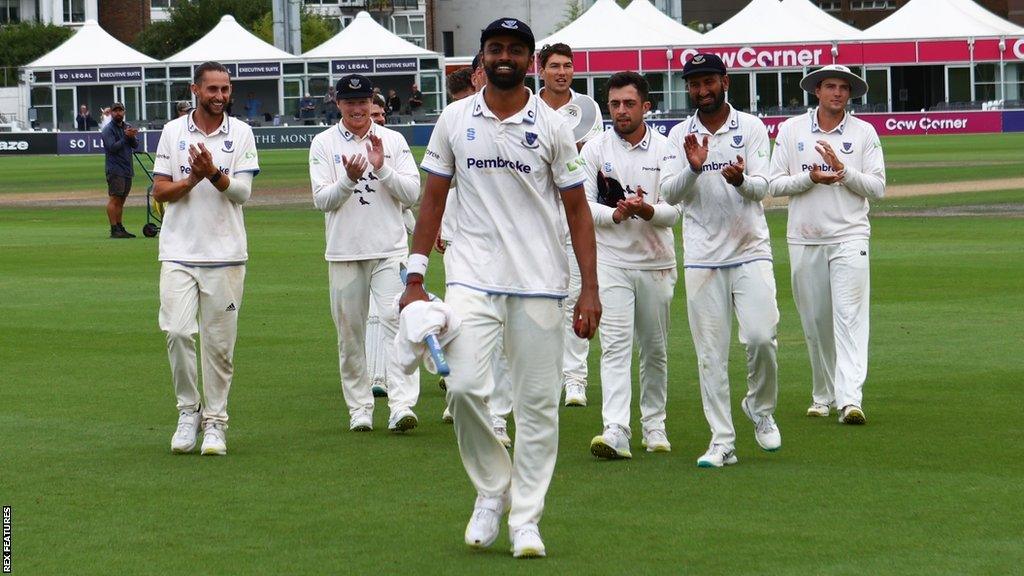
{"x": 505, "y": 81}
{"x": 715, "y": 106}
{"x": 207, "y": 106}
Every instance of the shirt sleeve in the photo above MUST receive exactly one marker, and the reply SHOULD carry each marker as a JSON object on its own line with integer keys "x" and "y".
{"x": 758, "y": 165}
{"x": 439, "y": 158}
{"x": 591, "y": 164}
{"x": 567, "y": 166}
{"x": 162, "y": 162}
{"x": 780, "y": 181}
{"x": 868, "y": 182}
{"x": 400, "y": 174}
{"x": 677, "y": 178}
{"x": 246, "y": 157}
{"x": 328, "y": 194}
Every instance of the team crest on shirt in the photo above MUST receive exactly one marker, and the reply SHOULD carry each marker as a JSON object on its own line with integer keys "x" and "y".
{"x": 228, "y": 147}
{"x": 530, "y": 140}
{"x": 737, "y": 141}
{"x": 470, "y": 134}
{"x": 799, "y": 146}
{"x": 847, "y": 147}
{"x": 337, "y": 158}
{"x": 181, "y": 145}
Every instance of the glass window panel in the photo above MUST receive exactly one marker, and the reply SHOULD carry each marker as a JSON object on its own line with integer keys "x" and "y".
{"x": 767, "y": 90}
{"x": 739, "y": 92}
{"x": 294, "y": 68}
{"x": 318, "y": 67}
{"x": 959, "y": 80}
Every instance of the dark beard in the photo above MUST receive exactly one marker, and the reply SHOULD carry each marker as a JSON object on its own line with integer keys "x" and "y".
{"x": 504, "y": 82}
{"x": 208, "y": 108}
{"x": 715, "y": 106}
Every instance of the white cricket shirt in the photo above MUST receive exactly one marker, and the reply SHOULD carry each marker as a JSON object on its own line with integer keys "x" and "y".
{"x": 823, "y": 213}
{"x": 723, "y": 225}
{"x": 204, "y": 226}
{"x": 634, "y": 243}
{"x": 364, "y": 218}
{"x": 508, "y": 236}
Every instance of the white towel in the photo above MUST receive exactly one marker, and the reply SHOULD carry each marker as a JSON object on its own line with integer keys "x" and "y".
{"x": 418, "y": 320}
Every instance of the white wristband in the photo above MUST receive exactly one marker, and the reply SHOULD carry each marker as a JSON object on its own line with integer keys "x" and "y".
{"x": 417, "y": 264}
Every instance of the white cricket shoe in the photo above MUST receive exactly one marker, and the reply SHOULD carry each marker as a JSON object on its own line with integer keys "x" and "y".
{"x": 819, "y": 410}
{"x": 361, "y": 420}
{"x": 402, "y": 420}
{"x": 612, "y": 444}
{"x": 656, "y": 441}
{"x": 526, "y": 542}
{"x": 851, "y": 414}
{"x": 717, "y": 456}
{"x": 184, "y": 439}
{"x": 766, "y": 432}
{"x": 485, "y": 523}
{"x": 575, "y": 393}
{"x": 214, "y": 443}
{"x": 502, "y": 433}
{"x": 446, "y": 417}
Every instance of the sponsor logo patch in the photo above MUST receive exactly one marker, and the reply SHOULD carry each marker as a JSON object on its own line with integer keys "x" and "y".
{"x": 470, "y": 134}
{"x": 847, "y": 147}
{"x": 530, "y": 140}
{"x": 737, "y": 141}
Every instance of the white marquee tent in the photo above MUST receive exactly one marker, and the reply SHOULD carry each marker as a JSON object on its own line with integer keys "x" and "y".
{"x": 923, "y": 19}
{"x": 606, "y": 25}
{"x": 786, "y": 22}
{"x": 644, "y": 11}
{"x": 228, "y": 41}
{"x": 90, "y": 46}
{"x": 364, "y": 37}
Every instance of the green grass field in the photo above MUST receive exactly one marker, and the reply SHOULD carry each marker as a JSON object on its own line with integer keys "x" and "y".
{"x": 912, "y": 160}
{"x": 930, "y": 486}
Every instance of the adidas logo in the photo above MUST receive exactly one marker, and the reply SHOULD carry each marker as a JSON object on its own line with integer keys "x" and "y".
{"x": 230, "y": 308}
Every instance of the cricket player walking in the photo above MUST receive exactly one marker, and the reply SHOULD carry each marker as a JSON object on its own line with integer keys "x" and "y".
{"x": 636, "y": 266}
{"x": 584, "y": 117}
{"x": 506, "y": 273}
{"x": 363, "y": 176}
{"x": 718, "y": 168}
{"x": 205, "y": 163}
{"x": 830, "y": 163}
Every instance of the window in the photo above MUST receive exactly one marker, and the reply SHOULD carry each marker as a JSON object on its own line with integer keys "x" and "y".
{"x": 767, "y": 91}
{"x": 163, "y": 4}
{"x": 958, "y": 82}
{"x": 430, "y": 86}
{"x": 74, "y": 11}
{"x": 830, "y": 5}
{"x": 10, "y": 11}
{"x": 873, "y": 5}
{"x": 1014, "y": 82}
{"x": 410, "y": 27}
{"x": 448, "y": 41}
{"x": 987, "y": 82}
{"x": 156, "y": 100}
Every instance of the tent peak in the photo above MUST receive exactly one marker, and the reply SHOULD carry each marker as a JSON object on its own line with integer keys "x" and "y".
{"x": 227, "y": 18}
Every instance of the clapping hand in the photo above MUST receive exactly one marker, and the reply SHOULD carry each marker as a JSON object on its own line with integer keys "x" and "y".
{"x": 696, "y": 153}
{"x": 355, "y": 166}
{"x": 375, "y": 152}
{"x": 734, "y": 172}
{"x": 201, "y": 161}
{"x": 820, "y": 176}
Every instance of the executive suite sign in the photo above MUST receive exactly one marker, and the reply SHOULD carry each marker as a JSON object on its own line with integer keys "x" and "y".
{"x": 375, "y": 66}
{"x": 258, "y": 69}
{"x": 87, "y": 75}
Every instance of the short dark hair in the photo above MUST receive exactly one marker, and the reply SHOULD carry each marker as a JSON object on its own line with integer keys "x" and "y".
{"x": 623, "y": 79}
{"x": 460, "y": 80}
{"x": 379, "y": 101}
{"x": 208, "y": 67}
{"x": 550, "y": 50}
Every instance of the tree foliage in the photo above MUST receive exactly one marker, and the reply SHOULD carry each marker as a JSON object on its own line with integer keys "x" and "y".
{"x": 573, "y": 10}
{"x": 189, "y": 21}
{"x": 22, "y": 43}
{"x": 316, "y": 29}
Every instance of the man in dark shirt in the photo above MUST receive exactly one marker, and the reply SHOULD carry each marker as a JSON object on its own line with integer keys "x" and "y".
{"x": 415, "y": 100}
{"x": 307, "y": 109}
{"x": 118, "y": 143}
{"x": 84, "y": 121}
{"x": 394, "y": 103}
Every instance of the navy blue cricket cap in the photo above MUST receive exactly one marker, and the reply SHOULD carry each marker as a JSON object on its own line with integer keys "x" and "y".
{"x": 703, "y": 64}
{"x": 353, "y": 86}
{"x": 511, "y": 27}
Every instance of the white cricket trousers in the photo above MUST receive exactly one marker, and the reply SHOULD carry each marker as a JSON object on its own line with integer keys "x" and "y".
{"x": 352, "y": 284}
{"x": 501, "y": 398}
{"x": 205, "y": 301}
{"x": 711, "y": 296}
{"x": 831, "y": 287}
{"x": 634, "y": 303}
{"x": 532, "y": 329}
{"x": 574, "y": 358}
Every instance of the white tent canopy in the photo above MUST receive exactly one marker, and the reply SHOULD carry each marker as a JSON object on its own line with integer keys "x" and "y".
{"x": 923, "y": 19}
{"x": 91, "y": 46}
{"x": 606, "y": 25}
{"x": 786, "y": 22}
{"x": 364, "y": 37}
{"x": 644, "y": 11}
{"x": 229, "y": 42}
